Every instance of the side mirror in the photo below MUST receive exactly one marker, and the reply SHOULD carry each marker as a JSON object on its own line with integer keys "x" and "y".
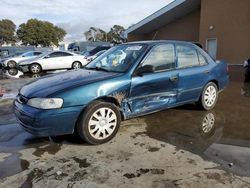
{"x": 47, "y": 56}
{"x": 145, "y": 69}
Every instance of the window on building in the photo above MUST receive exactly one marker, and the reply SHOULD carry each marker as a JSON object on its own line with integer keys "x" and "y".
{"x": 187, "y": 56}
{"x": 161, "y": 57}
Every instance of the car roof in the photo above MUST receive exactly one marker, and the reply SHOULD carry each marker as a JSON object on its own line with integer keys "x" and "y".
{"x": 63, "y": 51}
{"x": 154, "y": 42}
{"x": 32, "y": 51}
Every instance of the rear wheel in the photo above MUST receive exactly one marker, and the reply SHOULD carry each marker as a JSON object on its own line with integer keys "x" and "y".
{"x": 99, "y": 123}
{"x": 76, "y": 65}
{"x": 11, "y": 64}
{"x": 35, "y": 68}
{"x": 209, "y": 96}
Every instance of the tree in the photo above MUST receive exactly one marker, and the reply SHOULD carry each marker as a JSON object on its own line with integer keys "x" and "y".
{"x": 36, "y": 32}
{"x": 95, "y": 34}
{"x": 60, "y": 33}
{"x": 115, "y": 34}
{"x": 7, "y": 31}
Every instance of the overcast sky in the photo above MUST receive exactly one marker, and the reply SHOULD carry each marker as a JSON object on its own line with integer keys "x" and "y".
{"x": 76, "y": 16}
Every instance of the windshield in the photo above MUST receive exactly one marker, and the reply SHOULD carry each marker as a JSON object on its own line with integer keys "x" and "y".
{"x": 43, "y": 55}
{"x": 27, "y": 54}
{"x": 118, "y": 59}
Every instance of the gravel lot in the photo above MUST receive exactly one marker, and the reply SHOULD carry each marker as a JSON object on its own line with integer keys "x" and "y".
{"x": 165, "y": 149}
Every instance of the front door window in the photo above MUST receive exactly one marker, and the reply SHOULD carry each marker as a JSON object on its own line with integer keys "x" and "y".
{"x": 161, "y": 57}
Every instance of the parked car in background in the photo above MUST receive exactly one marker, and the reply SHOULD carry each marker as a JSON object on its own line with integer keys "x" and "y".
{"x": 88, "y": 55}
{"x": 10, "y": 51}
{"x": 246, "y": 63}
{"x": 95, "y": 50}
{"x": 12, "y": 62}
{"x": 127, "y": 81}
{"x": 53, "y": 61}
{"x": 86, "y": 46}
{"x": 91, "y": 58}
{"x": 245, "y": 90}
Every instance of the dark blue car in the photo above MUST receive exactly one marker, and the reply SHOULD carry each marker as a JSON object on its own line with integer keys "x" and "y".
{"x": 127, "y": 81}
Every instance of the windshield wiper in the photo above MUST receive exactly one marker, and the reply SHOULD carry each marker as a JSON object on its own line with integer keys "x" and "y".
{"x": 97, "y": 68}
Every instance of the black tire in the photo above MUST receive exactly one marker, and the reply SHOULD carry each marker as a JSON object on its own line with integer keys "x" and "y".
{"x": 35, "y": 68}
{"x": 11, "y": 64}
{"x": 84, "y": 126}
{"x": 76, "y": 65}
{"x": 204, "y": 102}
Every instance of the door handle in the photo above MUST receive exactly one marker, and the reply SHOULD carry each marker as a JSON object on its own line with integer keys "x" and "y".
{"x": 174, "y": 78}
{"x": 206, "y": 72}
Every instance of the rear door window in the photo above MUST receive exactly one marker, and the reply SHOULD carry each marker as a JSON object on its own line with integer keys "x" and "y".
{"x": 186, "y": 56}
{"x": 202, "y": 59}
{"x": 65, "y": 54}
{"x": 55, "y": 54}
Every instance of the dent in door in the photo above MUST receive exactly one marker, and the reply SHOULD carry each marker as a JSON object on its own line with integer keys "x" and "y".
{"x": 144, "y": 104}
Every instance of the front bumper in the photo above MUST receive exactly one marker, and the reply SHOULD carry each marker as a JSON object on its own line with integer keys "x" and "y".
{"x": 47, "y": 122}
{"x": 23, "y": 68}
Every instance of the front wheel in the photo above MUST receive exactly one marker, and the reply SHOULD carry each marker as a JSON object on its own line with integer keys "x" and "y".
{"x": 35, "y": 68}
{"x": 99, "y": 123}
{"x": 209, "y": 96}
{"x": 76, "y": 65}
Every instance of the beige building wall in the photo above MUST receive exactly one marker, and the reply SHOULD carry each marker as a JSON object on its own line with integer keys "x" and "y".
{"x": 185, "y": 28}
{"x": 229, "y": 22}
{"x": 136, "y": 37}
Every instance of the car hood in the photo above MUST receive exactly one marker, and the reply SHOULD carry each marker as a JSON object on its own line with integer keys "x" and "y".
{"x": 59, "y": 82}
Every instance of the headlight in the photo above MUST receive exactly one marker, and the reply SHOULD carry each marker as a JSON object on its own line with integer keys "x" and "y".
{"x": 46, "y": 103}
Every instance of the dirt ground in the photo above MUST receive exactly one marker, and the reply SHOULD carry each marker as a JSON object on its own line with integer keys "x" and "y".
{"x": 167, "y": 149}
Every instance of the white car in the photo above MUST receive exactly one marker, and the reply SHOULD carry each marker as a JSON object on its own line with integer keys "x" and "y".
{"x": 13, "y": 62}
{"x": 53, "y": 61}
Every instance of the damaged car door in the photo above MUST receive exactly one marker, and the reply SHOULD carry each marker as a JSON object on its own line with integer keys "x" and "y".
{"x": 154, "y": 83}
